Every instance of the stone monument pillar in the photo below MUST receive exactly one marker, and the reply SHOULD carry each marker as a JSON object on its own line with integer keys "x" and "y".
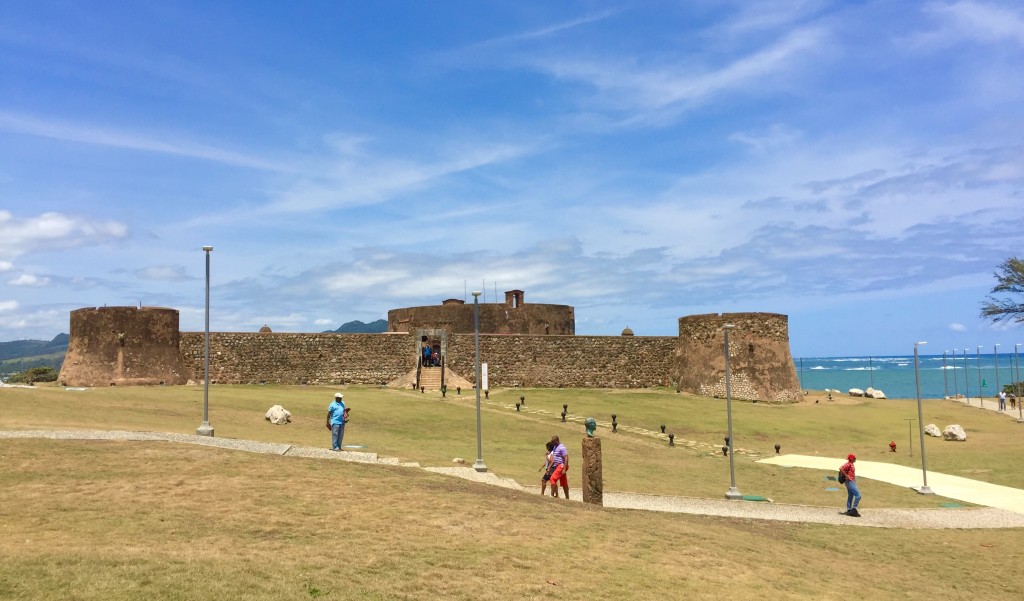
{"x": 593, "y": 484}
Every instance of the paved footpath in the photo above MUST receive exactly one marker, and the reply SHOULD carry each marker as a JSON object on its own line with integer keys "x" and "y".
{"x": 988, "y": 517}
{"x": 953, "y": 487}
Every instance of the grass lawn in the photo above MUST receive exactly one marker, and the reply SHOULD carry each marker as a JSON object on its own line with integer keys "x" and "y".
{"x": 130, "y": 520}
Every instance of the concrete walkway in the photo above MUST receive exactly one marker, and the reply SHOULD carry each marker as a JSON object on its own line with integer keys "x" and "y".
{"x": 953, "y": 487}
{"x": 992, "y": 404}
{"x": 877, "y": 518}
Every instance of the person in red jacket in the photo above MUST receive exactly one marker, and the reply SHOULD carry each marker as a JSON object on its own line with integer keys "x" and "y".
{"x": 852, "y": 492}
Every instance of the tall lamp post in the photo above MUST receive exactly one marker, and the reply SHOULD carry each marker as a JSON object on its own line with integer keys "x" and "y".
{"x": 945, "y": 376}
{"x": 733, "y": 493}
{"x": 924, "y": 490}
{"x": 479, "y": 465}
{"x": 967, "y": 381}
{"x": 205, "y": 429}
{"x": 1016, "y": 384}
{"x": 956, "y": 385}
{"x": 995, "y": 356}
{"x": 981, "y": 393}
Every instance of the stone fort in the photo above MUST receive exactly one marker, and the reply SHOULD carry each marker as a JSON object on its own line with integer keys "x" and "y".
{"x": 527, "y": 345}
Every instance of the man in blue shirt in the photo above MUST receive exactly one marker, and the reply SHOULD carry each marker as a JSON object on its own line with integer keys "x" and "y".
{"x": 560, "y": 460}
{"x": 336, "y": 421}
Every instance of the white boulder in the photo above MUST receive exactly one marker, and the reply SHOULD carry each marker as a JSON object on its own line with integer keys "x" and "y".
{"x": 278, "y": 415}
{"x": 856, "y": 392}
{"x": 877, "y": 394}
{"x": 932, "y": 430}
{"x": 954, "y": 432}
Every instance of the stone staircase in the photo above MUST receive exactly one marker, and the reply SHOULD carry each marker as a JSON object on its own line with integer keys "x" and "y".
{"x": 430, "y": 378}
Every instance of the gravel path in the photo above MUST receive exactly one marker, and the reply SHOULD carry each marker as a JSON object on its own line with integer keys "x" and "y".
{"x": 876, "y": 518}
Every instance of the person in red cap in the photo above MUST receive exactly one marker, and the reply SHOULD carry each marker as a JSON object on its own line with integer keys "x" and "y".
{"x": 852, "y": 492}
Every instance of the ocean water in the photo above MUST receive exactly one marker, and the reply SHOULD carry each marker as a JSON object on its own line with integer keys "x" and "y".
{"x": 895, "y": 375}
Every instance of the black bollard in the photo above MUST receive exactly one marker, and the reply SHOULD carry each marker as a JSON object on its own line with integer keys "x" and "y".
{"x": 458, "y": 390}
{"x": 563, "y": 416}
{"x": 662, "y": 428}
{"x": 444, "y": 390}
{"x": 487, "y": 394}
{"x": 615, "y": 424}
{"x": 517, "y": 407}
{"x": 671, "y": 439}
{"x": 423, "y": 389}
{"x": 778, "y": 447}
{"x": 725, "y": 451}
{"x": 522, "y": 400}
{"x": 727, "y": 440}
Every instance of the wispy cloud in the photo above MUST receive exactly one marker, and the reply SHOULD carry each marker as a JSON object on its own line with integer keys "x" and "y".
{"x": 163, "y": 273}
{"x": 656, "y": 92}
{"x": 957, "y": 327}
{"x": 978, "y": 21}
{"x": 66, "y": 131}
{"x": 8, "y": 305}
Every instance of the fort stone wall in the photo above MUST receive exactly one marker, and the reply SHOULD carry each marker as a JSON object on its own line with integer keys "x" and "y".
{"x": 567, "y": 361}
{"x": 253, "y": 358}
{"x": 495, "y": 318}
{"x": 760, "y": 364}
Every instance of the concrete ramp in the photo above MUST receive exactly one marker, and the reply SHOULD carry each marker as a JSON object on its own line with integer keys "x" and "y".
{"x": 953, "y": 487}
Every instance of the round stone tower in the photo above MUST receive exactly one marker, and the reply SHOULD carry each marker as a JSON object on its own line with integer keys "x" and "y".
{"x": 123, "y": 346}
{"x": 760, "y": 364}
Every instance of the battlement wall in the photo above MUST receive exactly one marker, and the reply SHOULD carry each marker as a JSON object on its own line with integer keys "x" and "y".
{"x": 253, "y": 358}
{"x": 567, "y": 361}
{"x": 760, "y": 364}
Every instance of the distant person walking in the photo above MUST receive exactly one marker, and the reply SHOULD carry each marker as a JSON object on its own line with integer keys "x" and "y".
{"x": 852, "y": 492}
{"x": 560, "y": 459}
{"x": 1002, "y": 400}
{"x": 336, "y": 418}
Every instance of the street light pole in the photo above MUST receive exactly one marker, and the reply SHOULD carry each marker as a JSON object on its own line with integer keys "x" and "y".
{"x": 1016, "y": 384}
{"x": 956, "y": 386}
{"x": 924, "y": 490}
{"x": 945, "y": 376}
{"x": 733, "y": 494}
{"x": 479, "y": 465}
{"x": 205, "y": 429}
{"x": 995, "y": 356}
{"x": 981, "y": 393}
{"x": 967, "y": 381}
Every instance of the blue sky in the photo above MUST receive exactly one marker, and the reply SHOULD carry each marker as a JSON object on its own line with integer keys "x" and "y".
{"x": 858, "y": 166}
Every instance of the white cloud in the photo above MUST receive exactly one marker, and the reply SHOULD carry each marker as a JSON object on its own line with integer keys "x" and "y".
{"x": 957, "y": 327}
{"x": 28, "y": 279}
{"x": 51, "y": 231}
{"x": 8, "y": 305}
{"x": 6, "y": 265}
{"x": 324, "y": 322}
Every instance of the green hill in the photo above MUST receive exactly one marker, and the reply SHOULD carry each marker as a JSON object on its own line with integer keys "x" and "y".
{"x": 19, "y": 355}
{"x": 358, "y": 327}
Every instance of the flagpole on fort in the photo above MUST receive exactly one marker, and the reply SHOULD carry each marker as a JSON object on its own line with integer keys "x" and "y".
{"x": 479, "y": 465}
{"x": 733, "y": 493}
{"x": 205, "y": 429}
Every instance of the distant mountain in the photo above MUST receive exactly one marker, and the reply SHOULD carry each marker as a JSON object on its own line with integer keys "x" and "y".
{"x": 19, "y": 349}
{"x": 20, "y": 355}
{"x": 358, "y": 327}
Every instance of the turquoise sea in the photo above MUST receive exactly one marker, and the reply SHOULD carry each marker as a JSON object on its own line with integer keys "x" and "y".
{"x": 895, "y": 375}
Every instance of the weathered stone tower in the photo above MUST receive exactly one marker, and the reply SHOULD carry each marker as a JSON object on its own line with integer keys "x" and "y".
{"x": 514, "y": 316}
{"x": 122, "y": 346}
{"x": 760, "y": 363}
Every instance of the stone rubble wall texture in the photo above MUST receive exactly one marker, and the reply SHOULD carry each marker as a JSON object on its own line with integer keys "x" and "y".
{"x": 566, "y": 361}
{"x": 252, "y": 358}
{"x": 760, "y": 364}
{"x": 534, "y": 361}
{"x": 117, "y": 346}
{"x": 495, "y": 318}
